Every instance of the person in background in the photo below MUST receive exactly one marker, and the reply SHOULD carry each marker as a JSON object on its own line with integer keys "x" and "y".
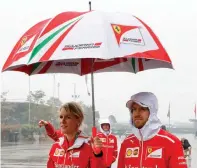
{"x": 187, "y": 151}
{"x": 186, "y": 147}
{"x": 72, "y": 148}
{"x": 110, "y": 148}
{"x": 163, "y": 127}
{"x": 149, "y": 145}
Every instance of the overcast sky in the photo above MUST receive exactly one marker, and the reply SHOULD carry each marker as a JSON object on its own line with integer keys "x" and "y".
{"x": 173, "y": 21}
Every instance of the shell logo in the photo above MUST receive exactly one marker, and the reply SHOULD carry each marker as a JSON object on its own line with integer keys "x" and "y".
{"x": 129, "y": 152}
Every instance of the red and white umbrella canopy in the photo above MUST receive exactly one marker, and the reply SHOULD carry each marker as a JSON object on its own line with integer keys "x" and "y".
{"x": 68, "y": 42}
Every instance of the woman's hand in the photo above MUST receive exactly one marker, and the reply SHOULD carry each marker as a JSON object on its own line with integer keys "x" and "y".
{"x": 42, "y": 123}
{"x": 97, "y": 145}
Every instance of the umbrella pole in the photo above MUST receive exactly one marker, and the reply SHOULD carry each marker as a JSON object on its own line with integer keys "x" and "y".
{"x": 93, "y": 101}
{"x": 92, "y": 81}
{"x": 90, "y": 6}
{"x": 29, "y": 118}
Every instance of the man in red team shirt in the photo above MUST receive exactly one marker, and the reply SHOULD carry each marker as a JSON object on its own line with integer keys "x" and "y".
{"x": 149, "y": 146}
{"x": 109, "y": 141}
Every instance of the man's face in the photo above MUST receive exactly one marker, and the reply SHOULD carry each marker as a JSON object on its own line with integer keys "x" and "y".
{"x": 140, "y": 115}
{"x": 105, "y": 126}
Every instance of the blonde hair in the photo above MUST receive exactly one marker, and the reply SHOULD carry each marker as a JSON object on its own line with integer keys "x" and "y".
{"x": 75, "y": 109}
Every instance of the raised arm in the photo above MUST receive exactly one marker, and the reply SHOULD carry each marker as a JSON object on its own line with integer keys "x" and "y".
{"x": 50, "y": 130}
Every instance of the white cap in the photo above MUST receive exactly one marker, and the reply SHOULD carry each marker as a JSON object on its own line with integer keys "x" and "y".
{"x": 104, "y": 121}
{"x": 144, "y": 99}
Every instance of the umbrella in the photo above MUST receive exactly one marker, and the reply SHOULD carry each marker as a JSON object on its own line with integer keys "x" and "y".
{"x": 87, "y": 42}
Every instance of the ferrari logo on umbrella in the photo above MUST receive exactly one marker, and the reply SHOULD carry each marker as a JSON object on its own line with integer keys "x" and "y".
{"x": 23, "y": 41}
{"x": 117, "y": 29}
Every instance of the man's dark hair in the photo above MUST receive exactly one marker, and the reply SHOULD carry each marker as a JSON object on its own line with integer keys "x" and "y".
{"x": 186, "y": 144}
{"x": 163, "y": 127}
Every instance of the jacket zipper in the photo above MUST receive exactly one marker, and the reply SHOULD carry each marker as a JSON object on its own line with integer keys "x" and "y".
{"x": 65, "y": 155}
{"x": 142, "y": 149}
{"x": 107, "y": 148}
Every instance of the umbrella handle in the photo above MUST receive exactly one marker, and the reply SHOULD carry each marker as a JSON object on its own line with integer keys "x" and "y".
{"x": 94, "y": 132}
{"x": 95, "y": 149}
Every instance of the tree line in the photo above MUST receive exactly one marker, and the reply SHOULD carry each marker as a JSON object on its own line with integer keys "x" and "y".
{"x": 17, "y": 113}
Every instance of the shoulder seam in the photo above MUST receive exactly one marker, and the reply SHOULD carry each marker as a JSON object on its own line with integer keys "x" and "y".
{"x": 166, "y": 137}
{"x": 130, "y": 137}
